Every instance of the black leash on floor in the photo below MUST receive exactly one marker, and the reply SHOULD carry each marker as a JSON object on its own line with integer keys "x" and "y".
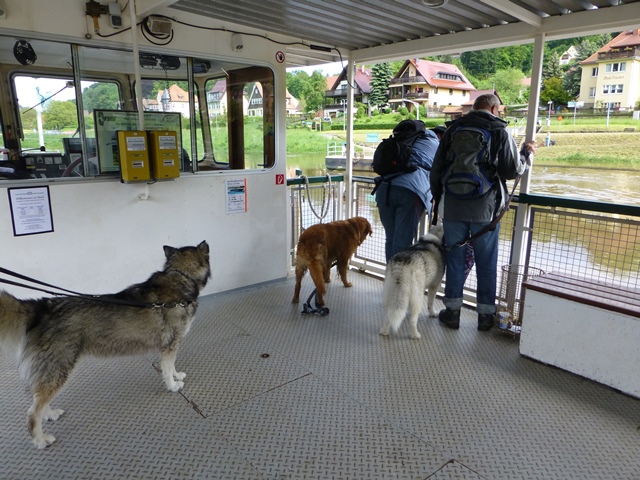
{"x": 318, "y": 310}
{"x": 71, "y": 293}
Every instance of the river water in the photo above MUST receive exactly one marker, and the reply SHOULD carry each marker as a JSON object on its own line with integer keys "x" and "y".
{"x": 599, "y": 185}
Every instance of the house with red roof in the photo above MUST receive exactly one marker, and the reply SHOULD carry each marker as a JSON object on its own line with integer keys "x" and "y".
{"x": 335, "y": 98}
{"x": 453, "y": 112}
{"x": 611, "y": 76}
{"x": 435, "y": 85}
{"x": 173, "y": 99}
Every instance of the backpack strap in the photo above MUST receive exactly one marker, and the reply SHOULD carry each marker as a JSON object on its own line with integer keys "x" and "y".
{"x": 493, "y": 223}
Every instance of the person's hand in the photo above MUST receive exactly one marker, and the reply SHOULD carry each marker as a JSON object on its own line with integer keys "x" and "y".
{"x": 527, "y": 151}
{"x": 531, "y": 147}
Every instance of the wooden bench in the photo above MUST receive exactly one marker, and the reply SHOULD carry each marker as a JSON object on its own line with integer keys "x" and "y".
{"x": 587, "y": 327}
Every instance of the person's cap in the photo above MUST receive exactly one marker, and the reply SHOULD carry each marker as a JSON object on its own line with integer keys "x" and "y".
{"x": 439, "y": 130}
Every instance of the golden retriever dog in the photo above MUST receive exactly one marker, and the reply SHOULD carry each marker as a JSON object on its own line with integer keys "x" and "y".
{"x": 319, "y": 246}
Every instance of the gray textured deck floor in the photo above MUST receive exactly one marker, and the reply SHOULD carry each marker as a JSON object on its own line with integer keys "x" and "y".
{"x": 273, "y": 394}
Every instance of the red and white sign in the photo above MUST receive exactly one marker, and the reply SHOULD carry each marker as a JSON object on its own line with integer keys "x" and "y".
{"x": 279, "y": 56}
{"x": 279, "y": 179}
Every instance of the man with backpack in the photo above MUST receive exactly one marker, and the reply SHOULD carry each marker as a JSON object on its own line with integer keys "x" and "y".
{"x": 476, "y": 156}
{"x": 402, "y": 190}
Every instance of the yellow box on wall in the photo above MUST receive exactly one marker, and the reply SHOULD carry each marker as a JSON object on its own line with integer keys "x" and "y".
{"x": 134, "y": 156}
{"x": 164, "y": 154}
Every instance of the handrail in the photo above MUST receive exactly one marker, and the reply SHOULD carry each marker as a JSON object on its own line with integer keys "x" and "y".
{"x": 302, "y": 181}
{"x": 546, "y": 201}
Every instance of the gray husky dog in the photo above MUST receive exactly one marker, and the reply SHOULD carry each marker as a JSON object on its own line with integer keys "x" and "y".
{"x": 409, "y": 273}
{"x": 49, "y": 335}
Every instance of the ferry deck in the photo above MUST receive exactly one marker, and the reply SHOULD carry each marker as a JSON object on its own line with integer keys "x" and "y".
{"x": 272, "y": 393}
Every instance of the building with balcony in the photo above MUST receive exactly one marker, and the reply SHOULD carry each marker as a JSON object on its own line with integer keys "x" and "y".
{"x": 217, "y": 99}
{"x": 570, "y": 54}
{"x": 173, "y": 99}
{"x": 453, "y": 112}
{"x": 432, "y": 84}
{"x": 335, "y": 98}
{"x": 611, "y": 76}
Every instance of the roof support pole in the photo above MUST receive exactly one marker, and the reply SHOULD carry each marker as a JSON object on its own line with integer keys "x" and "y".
{"x": 349, "y": 204}
{"x": 136, "y": 64}
{"x": 518, "y": 247}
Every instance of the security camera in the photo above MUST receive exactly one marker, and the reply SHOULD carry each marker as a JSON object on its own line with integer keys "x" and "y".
{"x": 236, "y": 42}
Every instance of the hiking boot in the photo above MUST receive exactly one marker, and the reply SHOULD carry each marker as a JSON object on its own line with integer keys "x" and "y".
{"x": 450, "y": 318}
{"x": 486, "y": 321}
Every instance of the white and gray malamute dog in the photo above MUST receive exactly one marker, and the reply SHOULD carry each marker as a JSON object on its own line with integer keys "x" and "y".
{"x": 409, "y": 273}
{"x": 49, "y": 335}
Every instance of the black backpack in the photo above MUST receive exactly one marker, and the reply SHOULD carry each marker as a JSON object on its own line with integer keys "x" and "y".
{"x": 393, "y": 154}
{"x": 471, "y": 171}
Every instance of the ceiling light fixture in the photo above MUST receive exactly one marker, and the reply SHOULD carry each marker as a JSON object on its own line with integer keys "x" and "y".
{"x": 434, "y": 3}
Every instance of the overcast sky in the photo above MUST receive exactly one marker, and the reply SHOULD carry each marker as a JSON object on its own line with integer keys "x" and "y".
{"x": 326, "y": 69}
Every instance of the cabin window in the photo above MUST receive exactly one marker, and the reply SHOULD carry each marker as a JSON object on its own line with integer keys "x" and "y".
{"x": 51, "y": 143}
{"x": 240, "y": 112}
{"x": 52, "y": 138}
{"x": 226, "y": 109}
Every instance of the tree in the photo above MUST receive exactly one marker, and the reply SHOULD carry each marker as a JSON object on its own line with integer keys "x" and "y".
{"x": 480, "y": 63}
{"x": 508, "y": 84}
{"x": 552, "y": 67}
{"x": 380, "y": 78}
{"x": 297, "y": 82}
{"x": 572, "y": 80}
{"x": 309, "y": 89}
{"x": 396, "y": 66}
{"x": 314, "y": 95}
{"x": 28, "y": 118}
{"x": 58, "y": 115}
{"x": 100, "y": 96}
{"x": 553, "y": 90}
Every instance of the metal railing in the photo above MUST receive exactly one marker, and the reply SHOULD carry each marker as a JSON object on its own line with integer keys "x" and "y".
{"x": 313, "y": 200}
{"x": 599, "y": 241}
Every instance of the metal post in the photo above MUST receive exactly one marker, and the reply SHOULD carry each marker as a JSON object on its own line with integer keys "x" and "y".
{"x": 520, "y": 237}
{"x": 609, "y": 105}
{"x": 548, "y": 140}
{"x": 415, "y": 104}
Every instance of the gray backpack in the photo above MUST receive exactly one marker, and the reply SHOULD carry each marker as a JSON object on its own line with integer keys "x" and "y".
{"x": 471, "y": 171}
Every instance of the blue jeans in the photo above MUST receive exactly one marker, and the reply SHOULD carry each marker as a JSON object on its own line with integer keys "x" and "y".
{"x": 485, "y": 250}
{"x": 400, "y": 214}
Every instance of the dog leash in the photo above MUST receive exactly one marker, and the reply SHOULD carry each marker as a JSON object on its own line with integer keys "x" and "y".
{"x": 71, "y": 293}
{"x": 307, "y": 308}
{"x": 487, "y": 228}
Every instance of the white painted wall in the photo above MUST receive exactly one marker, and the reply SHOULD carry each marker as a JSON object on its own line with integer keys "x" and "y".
{"x": 592, "y": 342}
{"x": 105, "y": 237}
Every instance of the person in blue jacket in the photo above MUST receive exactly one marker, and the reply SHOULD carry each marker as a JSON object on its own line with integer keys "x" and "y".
{"x": 403, "y": 198}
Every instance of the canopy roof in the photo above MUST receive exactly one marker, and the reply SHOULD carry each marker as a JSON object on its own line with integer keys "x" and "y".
{"x": 380, "y": 30}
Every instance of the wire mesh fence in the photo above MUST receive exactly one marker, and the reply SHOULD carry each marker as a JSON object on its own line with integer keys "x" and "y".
{"x": 312, "y": 204}
{"x": 603, "y": 247}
